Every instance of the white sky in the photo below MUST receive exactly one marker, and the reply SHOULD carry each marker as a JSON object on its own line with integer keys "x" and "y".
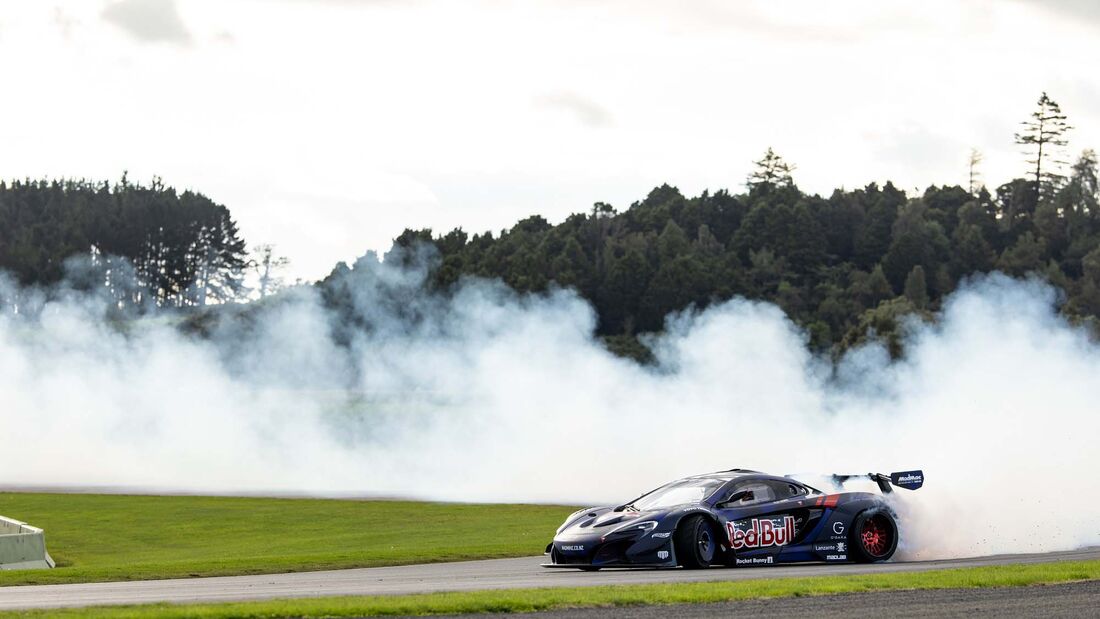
{"x": 329, "y": 126}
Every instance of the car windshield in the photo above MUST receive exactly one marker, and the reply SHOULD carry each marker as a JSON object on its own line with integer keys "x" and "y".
{"x": 677, "y": 493}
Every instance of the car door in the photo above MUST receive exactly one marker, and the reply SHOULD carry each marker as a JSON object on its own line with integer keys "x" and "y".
{"x": 759, "y": 525}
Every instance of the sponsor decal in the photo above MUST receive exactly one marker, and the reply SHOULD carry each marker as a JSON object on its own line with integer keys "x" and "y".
{"x": 838, "y": 547}
{"x": 755, "y": 561}
{"x": 836, "y": 557}
{"x": 662, "y": 535}
{"x": 572, "y": 548}
{"x": 838, "y": 527}
{"x": 662, "y": 554}
{"x": 760, "y": 532}
{"x": 908, "y": 479}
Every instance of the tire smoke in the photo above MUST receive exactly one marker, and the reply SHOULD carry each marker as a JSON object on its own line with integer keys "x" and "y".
{"x": 483, "y": 394}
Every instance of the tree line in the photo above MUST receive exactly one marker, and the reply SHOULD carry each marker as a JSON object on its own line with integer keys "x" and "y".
{"x": 842, "y": 266}
{"x": 146, "y": 246}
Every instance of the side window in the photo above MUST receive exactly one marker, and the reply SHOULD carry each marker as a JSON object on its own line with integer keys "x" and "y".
{"x": 785, "y": 490}
{"x": 761, "y": 492}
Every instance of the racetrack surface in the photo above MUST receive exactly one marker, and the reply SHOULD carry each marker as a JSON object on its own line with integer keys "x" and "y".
{"x": 469, "y": 575}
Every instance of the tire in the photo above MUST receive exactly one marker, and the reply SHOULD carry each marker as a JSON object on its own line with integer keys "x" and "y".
{"x": 695, "y": 543}
{"x": 874, "y": 536}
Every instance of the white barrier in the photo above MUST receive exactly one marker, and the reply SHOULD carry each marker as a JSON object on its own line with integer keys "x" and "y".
{"x": 22, "y": 547}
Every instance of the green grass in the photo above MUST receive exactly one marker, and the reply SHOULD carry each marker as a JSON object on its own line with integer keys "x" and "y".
{"x": 121, "y": 537}
{"x": 527, "y": 600}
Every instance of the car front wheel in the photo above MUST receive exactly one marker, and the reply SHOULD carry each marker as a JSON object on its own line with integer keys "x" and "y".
{"x": 695, "y": 543}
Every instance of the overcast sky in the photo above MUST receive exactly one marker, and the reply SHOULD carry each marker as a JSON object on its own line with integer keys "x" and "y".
{"x": 329, "y": 126}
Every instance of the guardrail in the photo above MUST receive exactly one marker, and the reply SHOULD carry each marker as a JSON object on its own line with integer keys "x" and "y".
{"x": 22, "y": 547}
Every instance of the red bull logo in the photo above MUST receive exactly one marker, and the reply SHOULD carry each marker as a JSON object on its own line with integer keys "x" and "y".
{"x": 760, "y": 532}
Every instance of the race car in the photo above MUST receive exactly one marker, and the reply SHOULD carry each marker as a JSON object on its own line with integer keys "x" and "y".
{"x": 735, "y": 518}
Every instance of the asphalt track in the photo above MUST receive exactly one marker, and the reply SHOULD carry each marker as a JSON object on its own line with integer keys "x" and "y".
{"x": 494, "y": 574}
{"x": 1079, "y": 599}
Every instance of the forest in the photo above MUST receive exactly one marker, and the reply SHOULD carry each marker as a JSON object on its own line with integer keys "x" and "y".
{"x": 145, "y": 246}
{"x": 845, "y": 267}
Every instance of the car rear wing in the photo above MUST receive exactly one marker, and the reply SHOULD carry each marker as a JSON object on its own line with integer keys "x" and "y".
{"x": 910, "y": 480}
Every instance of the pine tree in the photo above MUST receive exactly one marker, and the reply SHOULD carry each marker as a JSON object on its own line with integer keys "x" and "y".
{"x": 627, "y": 279}
{"x": 770, "y": 172}
{"x": 705, "y": 242}
{"x": 672, "y": 243}
{"x": 878, "y": 287}
{"x": 972, "y": 253}
{"x": 1043, "y": 138}
{"x": 1025, "y": 256}
{"x": 571, "y": 267}
{"x": 916, "y": 287}
{"x": 1080, "y": 198}
{"x": 975, "y": 175}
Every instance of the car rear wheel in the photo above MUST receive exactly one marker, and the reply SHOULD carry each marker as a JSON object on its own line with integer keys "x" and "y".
{"x": 874, "y": 536}
{"x": 695, "y": 543}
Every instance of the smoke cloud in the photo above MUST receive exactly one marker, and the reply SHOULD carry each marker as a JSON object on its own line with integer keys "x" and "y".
{"x": 488, "y": 395}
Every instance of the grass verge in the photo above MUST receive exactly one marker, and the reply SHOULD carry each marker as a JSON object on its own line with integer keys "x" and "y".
{"x": 527, "y": 600}
{"x": 126, "y": 537}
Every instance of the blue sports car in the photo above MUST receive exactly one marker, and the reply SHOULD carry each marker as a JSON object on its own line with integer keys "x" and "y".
{"x": 736, "y": 518}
